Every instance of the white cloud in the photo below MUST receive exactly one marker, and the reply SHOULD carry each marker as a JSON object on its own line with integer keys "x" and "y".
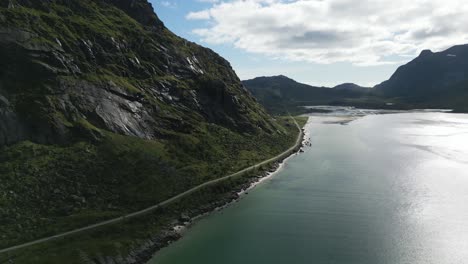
{"x": 168, "y": 4}
{"x": 205, "y": 14}
{"x": 365, "y": 32}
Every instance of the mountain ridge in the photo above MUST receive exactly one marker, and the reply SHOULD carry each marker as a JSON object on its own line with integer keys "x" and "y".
{"x": 281, "y": 93}
{"x": 350, "y": 86}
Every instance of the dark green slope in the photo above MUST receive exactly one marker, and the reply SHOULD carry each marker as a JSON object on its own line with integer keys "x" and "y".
{"x": 104, "y": 111}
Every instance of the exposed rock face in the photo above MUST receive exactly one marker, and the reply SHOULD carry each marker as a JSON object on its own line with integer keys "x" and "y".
{"x": 11, "y": 129}
{"x": 69, "y": 66}
{"x": 141, "y": 11}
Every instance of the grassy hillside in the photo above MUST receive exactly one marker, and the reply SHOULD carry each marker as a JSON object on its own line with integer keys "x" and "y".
{"x": 116, "y": 177}
{"x": 47, "y": 188}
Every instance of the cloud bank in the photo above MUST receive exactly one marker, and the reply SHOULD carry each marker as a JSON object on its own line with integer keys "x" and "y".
{"x": 364, "y": 32}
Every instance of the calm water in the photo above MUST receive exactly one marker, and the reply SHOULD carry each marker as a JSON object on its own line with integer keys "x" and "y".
{"x": 382, "y": 189}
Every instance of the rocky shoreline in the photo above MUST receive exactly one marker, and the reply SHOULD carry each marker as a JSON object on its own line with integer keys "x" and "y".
{"x": 175, "y": 230}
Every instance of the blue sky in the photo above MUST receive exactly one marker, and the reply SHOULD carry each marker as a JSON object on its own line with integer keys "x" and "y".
{"x": 321, "y": 43}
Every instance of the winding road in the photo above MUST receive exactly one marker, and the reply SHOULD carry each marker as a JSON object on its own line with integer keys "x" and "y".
{"x": 166, "y": 202}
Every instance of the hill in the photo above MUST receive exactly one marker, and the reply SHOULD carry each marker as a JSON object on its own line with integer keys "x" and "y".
{"x": 352, "y": 87}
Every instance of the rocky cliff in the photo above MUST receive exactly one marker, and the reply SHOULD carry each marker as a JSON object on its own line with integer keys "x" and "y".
{"x": 68, "y": 66}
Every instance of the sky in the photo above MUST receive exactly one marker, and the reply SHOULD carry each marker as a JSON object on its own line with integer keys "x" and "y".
{"x": 318, "y": 42}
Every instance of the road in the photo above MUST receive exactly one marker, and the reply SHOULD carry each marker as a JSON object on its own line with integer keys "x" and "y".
{"x": 166, "y": 202}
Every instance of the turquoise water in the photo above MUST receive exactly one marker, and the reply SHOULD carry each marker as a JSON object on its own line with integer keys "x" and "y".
{"x": 381, "y": 189}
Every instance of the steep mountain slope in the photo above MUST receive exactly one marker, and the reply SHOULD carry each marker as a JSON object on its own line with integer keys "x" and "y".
{"x": 430, "y": 77}
{"x": 104, "y": 111}
{"x": 277, "y": 93}
{"x": 113, "y": 65}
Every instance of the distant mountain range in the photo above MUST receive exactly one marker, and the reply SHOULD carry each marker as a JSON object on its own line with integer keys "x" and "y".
{"x": 280, "y": 93}
{"x": 432, "y": 80}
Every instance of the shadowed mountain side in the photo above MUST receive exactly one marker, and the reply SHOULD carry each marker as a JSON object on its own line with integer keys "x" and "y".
{"x": 433, "y": 79}
{"x": 280, "y": 93}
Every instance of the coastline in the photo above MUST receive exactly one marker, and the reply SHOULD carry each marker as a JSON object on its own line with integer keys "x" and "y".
{"x": 177, "y": 229}
{"x": 168, "y": 219}
{"x": 279, "y": 165}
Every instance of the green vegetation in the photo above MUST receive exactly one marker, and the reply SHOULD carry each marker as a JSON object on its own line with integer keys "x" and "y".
{"x": 117, "y": 176}
{"x": 123, "y": 238}
{"x": 302, "y": 120}
{"x": 49, "y": 189}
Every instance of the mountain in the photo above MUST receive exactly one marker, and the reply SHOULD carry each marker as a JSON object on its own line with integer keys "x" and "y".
{"x": 278, "y": 93}
{"x": 104, "y": 111}
{"x": 117, "y": 70}
{"x": 428, "y": 73}
{"x": 433, "y": 79}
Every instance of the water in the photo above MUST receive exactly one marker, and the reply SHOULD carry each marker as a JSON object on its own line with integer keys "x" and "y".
{"x": 381, "y": 189}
